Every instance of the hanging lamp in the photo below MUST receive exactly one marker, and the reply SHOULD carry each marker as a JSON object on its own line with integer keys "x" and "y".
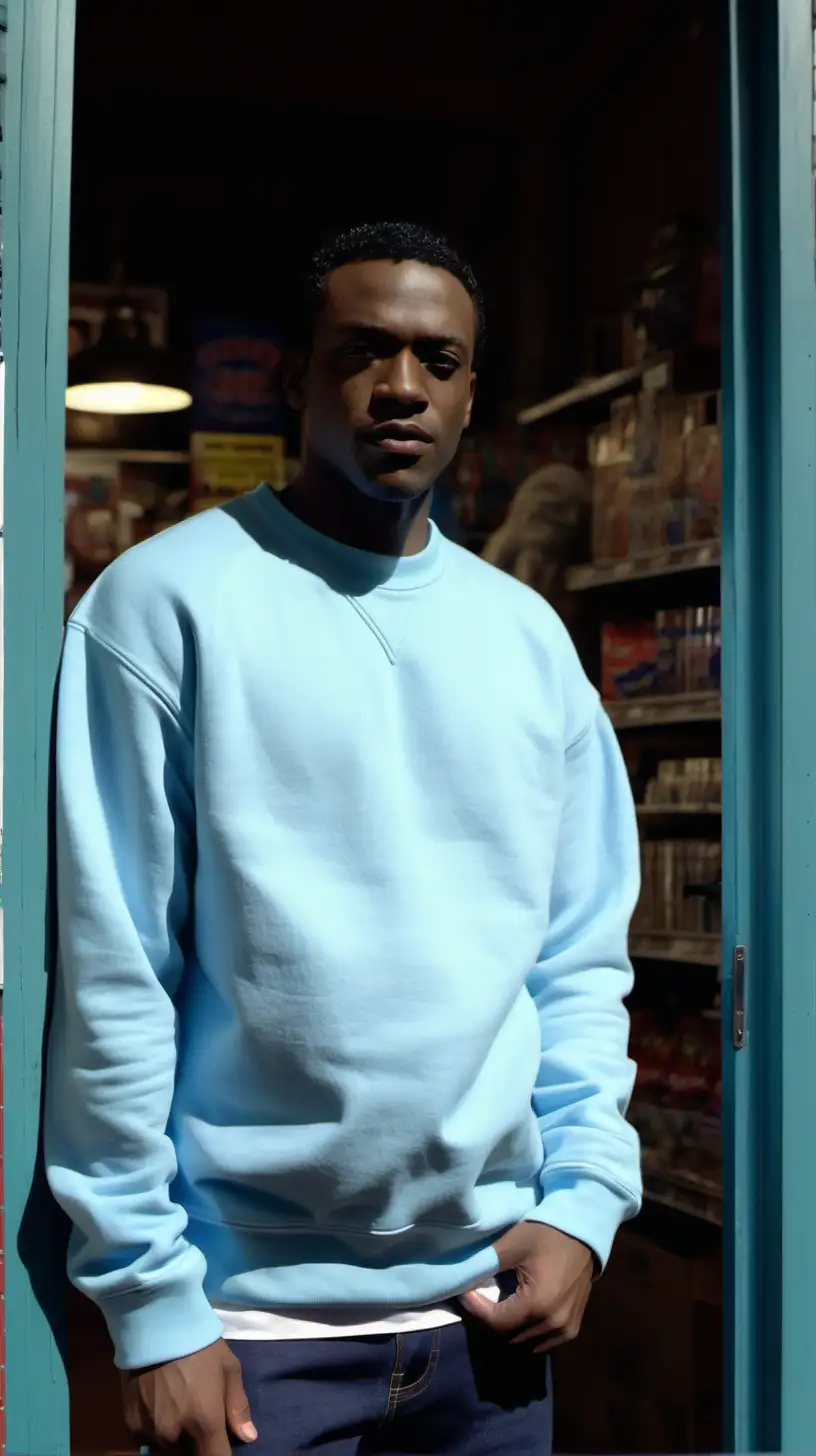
{"x": 124, "y": 373}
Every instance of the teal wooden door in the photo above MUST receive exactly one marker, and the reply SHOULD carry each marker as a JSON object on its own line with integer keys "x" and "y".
{"x": 769, "y": 743}
{"x": 36, "y": 194}
{"x": 769, "y": 592}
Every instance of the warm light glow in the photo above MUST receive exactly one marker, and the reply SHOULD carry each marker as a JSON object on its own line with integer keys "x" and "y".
{"x": 123, "y": 398}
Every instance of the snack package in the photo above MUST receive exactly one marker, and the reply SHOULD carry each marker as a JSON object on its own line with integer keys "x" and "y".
{"x": 702, "y": 448}
{"x": 611, "y": 510}
{"x": 628, "y": 660}
{"x": 91, "y": 520}
{"x": 670, "y": 629}
{"x": 610, "y": 458}
{"x": 647, "y": 516}
{"x": 647, "y": 434}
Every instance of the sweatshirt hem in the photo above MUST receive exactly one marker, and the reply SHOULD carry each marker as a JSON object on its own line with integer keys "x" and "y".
{"x": 588, "y": 1207}
{"x": 152, "y": 1325}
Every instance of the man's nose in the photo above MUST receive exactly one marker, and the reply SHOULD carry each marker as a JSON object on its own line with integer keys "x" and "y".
{"x": 402, "y": 379}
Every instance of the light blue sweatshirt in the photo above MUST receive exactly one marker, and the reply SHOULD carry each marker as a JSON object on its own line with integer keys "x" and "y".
{"x": 346, "y": 861}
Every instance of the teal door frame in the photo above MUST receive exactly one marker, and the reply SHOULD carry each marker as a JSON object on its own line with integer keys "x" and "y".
{"x": 769, "y": 744}
{"x": 769, "y": 728}
{"x": 36, "y": 201}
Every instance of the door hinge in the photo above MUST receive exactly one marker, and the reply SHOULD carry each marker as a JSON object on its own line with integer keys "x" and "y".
{"x": 738, "y": 998}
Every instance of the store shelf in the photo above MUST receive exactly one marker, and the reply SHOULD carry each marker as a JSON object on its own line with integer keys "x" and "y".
{"x": 669, "y": 562}
{"x": 88, "y": 457}
{"x": 657, "y": 712}
{"x": 692, "y": 1196}
{"x": 655, "y": 375}
{"x": 683, "y": 811}
{"x": 686, "y": 950}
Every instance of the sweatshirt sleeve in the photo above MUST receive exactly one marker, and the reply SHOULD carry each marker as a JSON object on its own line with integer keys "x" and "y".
{"x": 591, "y": 1175}
{"x": 125, "y": 844}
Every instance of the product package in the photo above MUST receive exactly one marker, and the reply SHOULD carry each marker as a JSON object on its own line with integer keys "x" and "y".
{"x": 691, "y": 782}
{"x": 610, "y": 457}
{"x": 702, "y": 467}
{"x": 688, "y": 650}
{"x": 670, "y": 869}
{"x": 657, "y": 468}
{"x": 628, "y": 660}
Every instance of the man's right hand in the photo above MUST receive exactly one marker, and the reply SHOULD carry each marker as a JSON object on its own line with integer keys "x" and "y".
{"x": 191, "y": 1403}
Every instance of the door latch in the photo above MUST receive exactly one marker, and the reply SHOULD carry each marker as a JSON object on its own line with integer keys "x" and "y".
{"x": 738, "y": 998}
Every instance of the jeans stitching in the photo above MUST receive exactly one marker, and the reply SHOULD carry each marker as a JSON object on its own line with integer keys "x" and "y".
{"x": 410, "y": 1392}
{"x": 397, "y": 1377}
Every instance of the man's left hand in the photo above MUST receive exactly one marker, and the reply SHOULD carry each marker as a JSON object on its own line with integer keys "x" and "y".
{"x": 554, "y": 1274}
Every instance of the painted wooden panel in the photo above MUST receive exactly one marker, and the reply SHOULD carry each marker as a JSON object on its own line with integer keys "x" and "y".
{"x": 769, "y": 760}
{"x": 36, "y": 197}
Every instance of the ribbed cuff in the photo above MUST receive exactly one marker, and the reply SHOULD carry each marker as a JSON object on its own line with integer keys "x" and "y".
{"x": 586, "y": 1209}
{"x": 155, "y": 1324}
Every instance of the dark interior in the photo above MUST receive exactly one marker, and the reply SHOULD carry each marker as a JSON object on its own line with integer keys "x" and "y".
{"x": 213, "y": 146}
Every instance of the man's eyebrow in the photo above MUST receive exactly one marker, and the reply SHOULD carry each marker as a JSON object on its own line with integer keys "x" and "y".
{"x": 379, "y": 333}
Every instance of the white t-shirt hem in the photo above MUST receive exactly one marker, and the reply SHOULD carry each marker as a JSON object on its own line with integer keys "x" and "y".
{"x": 348, "y": 1324}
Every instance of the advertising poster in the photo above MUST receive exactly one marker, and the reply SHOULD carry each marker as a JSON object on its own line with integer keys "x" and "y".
{"x": 237, "y": 438}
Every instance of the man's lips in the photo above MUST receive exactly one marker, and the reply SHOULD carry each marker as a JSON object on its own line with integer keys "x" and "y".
{"x": 397, "y": 439}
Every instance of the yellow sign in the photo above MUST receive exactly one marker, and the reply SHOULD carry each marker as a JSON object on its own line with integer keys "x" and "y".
{"x": 228, "y": 465}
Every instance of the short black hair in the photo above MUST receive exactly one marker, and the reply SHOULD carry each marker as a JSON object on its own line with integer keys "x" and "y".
{"x": 400, "y": 242}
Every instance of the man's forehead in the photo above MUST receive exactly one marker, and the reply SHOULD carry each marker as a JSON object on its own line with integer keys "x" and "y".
{"x": 383, "y": 293}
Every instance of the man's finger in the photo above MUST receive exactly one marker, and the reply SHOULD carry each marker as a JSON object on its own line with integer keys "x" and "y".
{"x": 563, "y": 1333}
{"x": 554, "y": 1344}
{"x": 238, "y": 1412}
{"x": 542, "y": 1330}
{"x": 214, "y": 1441}
{"x": 508, "y": 1315}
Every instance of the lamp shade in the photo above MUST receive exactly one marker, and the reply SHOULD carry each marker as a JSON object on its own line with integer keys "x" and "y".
{"x": 124, "y": 373}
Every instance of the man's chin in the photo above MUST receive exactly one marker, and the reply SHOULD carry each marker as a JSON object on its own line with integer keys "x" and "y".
{"x": 395, "y": 486}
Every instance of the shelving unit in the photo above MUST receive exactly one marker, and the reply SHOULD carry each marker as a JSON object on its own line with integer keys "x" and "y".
{"x": 85, "y": 459}
{"x": 674, "y": 561}
{"x": 681, "y": 811}
{"x": 686, "y": 950}
{"x": 653, "y": 373}
{"x": 114, "y": 496}
{"x": 678, "y": 972}
{"x": 693, "y": 1197}
{"x": 665, "y": 711}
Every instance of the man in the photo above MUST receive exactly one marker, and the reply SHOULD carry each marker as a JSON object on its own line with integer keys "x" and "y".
{"x": 347, "y": 858}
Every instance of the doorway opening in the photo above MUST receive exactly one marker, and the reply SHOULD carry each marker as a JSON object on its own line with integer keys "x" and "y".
{"x": 572, "y": 154}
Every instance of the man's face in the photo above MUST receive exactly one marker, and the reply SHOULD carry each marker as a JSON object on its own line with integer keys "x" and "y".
{"x": 389, "y": 383}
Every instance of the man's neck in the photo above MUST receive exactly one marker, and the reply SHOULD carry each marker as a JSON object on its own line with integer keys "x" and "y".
{"x": 325, "y": 500}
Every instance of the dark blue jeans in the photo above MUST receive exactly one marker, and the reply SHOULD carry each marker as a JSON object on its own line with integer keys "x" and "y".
{"x": 456, "y": 1391}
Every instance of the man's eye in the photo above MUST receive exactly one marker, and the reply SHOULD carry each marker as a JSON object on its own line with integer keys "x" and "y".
{"x": 443, "y": 365}
{"x": 358, "y": 350}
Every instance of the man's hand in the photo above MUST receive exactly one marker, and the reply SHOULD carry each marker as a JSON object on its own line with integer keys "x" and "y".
{"x": 191, "y": 1402}
{"x": 554, "y": 1274}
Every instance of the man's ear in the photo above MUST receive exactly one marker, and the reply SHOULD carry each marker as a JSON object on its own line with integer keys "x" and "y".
{"x": 293, "y": 374}
{"x": 469, "y": 410}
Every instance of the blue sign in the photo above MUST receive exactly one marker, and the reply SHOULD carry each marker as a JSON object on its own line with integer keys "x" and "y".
{"x": 236, "y": 378}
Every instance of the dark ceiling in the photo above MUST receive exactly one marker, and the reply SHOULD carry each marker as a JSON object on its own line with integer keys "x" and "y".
{"x": 460, "y": 56}
{"x": 224, "y": 139}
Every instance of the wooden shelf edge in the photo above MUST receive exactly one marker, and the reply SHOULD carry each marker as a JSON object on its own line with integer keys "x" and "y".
{"x": 670, "y": 561}
{"x": 88, "y": 454}
{"x": 654, "y": 372}
{"x": 655, "y": 712}
{"x": 670, "y": 811}
{"x": 683, "y": 1196}
{"x": 683, "y": 950}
